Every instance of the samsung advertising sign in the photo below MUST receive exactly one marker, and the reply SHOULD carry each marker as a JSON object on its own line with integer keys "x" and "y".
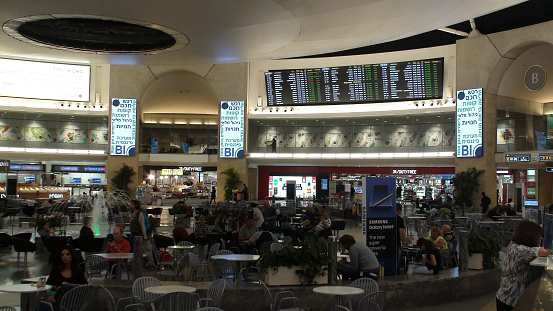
{"x": 469, "y": 123}
{"x": 232, "y": 130}
{"x": 123, "y": 127}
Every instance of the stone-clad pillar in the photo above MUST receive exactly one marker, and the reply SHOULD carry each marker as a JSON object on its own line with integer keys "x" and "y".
{"x": 463, "y": 239}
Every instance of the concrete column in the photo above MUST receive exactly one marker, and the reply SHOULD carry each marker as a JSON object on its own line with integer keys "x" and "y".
{"x": 463, "y": 238}
{"x": 137, "y": 262}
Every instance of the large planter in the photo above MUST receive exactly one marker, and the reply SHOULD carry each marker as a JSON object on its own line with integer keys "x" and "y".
{"x": 475, "y": 261}
{"x": 288, "y": 276}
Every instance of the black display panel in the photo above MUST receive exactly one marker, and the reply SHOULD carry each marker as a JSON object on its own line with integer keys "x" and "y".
{"x": 386, "y": 82}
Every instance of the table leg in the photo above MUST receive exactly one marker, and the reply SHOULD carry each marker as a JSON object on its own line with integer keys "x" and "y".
{"x": 119, "y": 268}
{"x": 24, "y": 297}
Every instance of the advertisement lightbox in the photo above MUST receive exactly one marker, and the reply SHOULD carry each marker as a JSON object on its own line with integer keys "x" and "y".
{"x": 123, "y": 127}
{"x": 232, "y": 129}
{"x": 469, "y": 123}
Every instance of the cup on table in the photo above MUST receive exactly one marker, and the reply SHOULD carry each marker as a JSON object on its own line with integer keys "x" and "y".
{"x": 423, "y": 257}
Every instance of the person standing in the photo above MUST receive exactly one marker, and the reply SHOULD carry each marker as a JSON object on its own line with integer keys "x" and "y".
{"x": 245, "y": 194}
{"x": 138, "y": 228}
{"x": 271, "y": 213}
{"x": 273, "y": 145}
{"x": 400, "y": 227}
{"x": 213, "y": 194}
{"x": 515, "y": 268}
{"x": 486, "y": 201}
{"x": 257, "y": 216}
{"x": 363, "y": 262}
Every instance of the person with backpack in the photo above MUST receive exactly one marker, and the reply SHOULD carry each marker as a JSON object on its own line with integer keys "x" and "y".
{"x": 140, "y": 226}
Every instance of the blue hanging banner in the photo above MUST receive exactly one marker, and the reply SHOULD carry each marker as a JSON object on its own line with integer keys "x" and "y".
{"x": 155, "y": 145}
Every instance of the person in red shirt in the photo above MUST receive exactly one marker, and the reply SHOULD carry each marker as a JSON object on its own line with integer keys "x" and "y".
{"x": 118, "y": 245}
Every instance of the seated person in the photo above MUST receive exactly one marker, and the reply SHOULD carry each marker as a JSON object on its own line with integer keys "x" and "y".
{"x": 431, "y": 259}
{"x": 47, "y": 204}
{"x": 510, "y": 211}
{"x": 180, "y": 234}
{"x": 285, "y": 224}
{"x": 237, "y": 223}
{"x": 86, "y": 231}
{"x": 436, "y": 238}
{"x": 363, "y": 262}
{"x": 323, "y": 224}
{"x": 45, "y": 231}
{"x": 67, "y": 269}
{"x": 262, "y": 236}
{"x": 493, "y": 212}
{"x": 448, "y": 234}
{"x": 220, "y": 224}
{"x": 247, "y": 231}
{"x": 118, "y": 245}
{"x": 200, "y": 232}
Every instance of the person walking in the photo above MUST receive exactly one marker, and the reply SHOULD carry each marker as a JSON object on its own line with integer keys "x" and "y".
{"x": 138, "y": 228}
{"x": 273, "y": 145}
{"x": 486, "y": 201}
{"x": 213, "y": 194}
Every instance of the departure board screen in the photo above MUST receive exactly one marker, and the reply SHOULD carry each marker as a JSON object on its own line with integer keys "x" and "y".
{"x": 386, "y": 82}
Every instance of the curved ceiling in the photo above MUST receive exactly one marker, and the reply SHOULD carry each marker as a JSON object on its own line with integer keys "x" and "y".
{"x": 235, "y": 31}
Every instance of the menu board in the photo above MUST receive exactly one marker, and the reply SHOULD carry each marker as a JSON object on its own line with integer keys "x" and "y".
{"x": 385, "y": 82}
{"x": 232, "y": 129}
{"x": 26, "y": 79}
{"x": 469, "y": 123}
{"x": 123, "y": 127}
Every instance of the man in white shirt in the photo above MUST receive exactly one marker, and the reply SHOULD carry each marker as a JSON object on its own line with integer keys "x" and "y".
{"x": 257, "y": 216}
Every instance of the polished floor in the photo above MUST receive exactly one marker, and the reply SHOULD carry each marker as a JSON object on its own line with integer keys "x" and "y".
{"x": 38, "y": 265}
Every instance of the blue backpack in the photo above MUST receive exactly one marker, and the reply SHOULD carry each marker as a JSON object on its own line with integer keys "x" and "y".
{"x": 146, "y": 222}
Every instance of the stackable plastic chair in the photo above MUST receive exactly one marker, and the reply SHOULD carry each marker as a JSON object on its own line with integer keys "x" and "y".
{"x": 96, "y": 267}
{"x": 139, "y": 295}
{"x": 185, "y": 243}
{"x": 214, "y": 294}
{"x": 368, "y": 286}
{"x": 280, "y": 297}
{"x": 264, "y": 247}
{"x": 195, "y": 264}
{"x": 224, "y": 252}
{"x": 372, "y": 302}
{"x": 224, "y": 269}
{"x": 75, "y": 299}
{"x": 275, "y": 247}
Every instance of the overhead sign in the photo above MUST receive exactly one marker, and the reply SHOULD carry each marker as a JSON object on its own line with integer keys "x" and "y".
{"x": 27, "y": 167}
{"x": 78, "y": 168}
{"x": 232, "y": 129}
{"x": 535, "y": 78}
{"x": 469, "y": 123}
{"x": 123, "y": 127}
{"x": 4, "y": 166}
{"x": 517, "y": 158}
{"x": 404, "y": 172}
{"x": 546, "y": 157}
{"x": 171, "y": 172}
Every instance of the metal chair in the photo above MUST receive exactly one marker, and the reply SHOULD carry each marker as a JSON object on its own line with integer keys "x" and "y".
{"x": 185, "y": 243}
{"x": 287, "y": 239}
{"x": 210, "y": 309}
{"x": 214, "y": 293}
{"x": 195, "y": 264}
{"x": 22, "y": 246}
{"x": 96, "y": 267}
{"x": 212, "y": 252}
{"x": 372, "y": 302}
{"x": 368, "y": 286}
{"x": 138, "y": 291}
{"x": 7, "y": 308}
{"x": 288, "y": 297}
{"x": 264, "y": 247}
{"x": 99, "y": 295}
{"x": 75, "y": 299}
{"x": 177, "y": 302}
{"x": 134, "y": 307}
{"x": 275, "y": 247}
{"x": 175, "y": 270}
{"x": 223, "y": 269}
{"x": 224, "y": 252}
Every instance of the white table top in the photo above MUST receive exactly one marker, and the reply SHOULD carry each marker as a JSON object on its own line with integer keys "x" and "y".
{"x": 180, "y": 247}
{"x": 416, "y": 217}
{"x": 490, "y": 222}
{"x": 539, "y": 262}
{"x": 33, "y": 280}
{"x": 116, "y": 255}
{"x": 167, "y": 289}
{"x": 338, "y": 290}
{"x": 23, "y": 288}
{"x": 237, "y": 257}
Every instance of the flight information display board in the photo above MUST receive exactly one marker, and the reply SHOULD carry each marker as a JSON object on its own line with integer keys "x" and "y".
{"x": 386, "y": 82}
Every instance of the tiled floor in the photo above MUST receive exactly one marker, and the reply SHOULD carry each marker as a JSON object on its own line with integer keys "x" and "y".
{"x": 38, "y": 265}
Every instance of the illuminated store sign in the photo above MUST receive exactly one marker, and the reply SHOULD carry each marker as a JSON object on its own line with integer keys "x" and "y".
{"x": 517, "y": 158}
{"x": 95, "y": 180}
{"x": 546, "y": 157}
{"x": 78, "y": 168}
{"x": 469, "y": 123}
{"x": 191, "y": 168}
{"x": 26, "y": 79}
{"x": 123, "y": 127}
{"x": 232, "y": 130}
{"x": 404, "y": 172}
{"x": 27, "y": 167}
{"x": 4, "y": 166}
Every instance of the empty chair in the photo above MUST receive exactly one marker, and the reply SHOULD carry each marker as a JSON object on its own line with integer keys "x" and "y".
{"x": 144, "y": 282}
{"x": 264, "y": 247}
{"x": 22, "y": 246}
{"x": 209, "y": 309}
{"x": 368, "y": 286}
{"x": 195, "y": 264}
{"x": 176, "y": 270}
{"x": 75, "y": 299}
{"x": 214, "y": 294}
{"x": 275, "y": 247}
{"x": 372, "y": 302}
{"x": 177, "y": 302}
{"x": 185, "y": 243}
{"x": 133, "y": 307}
{"x": 223, "y": 269}
{"x": 98, "y": 295}
{"x": 7, "y": 308}
{"x": 224, "y": 252}
{"x": 212, "y": 252}
{"x": 275, "y": 303}
{"x": 96, "y": 267}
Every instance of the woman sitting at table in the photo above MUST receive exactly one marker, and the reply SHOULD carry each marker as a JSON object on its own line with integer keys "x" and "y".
{"x": 431, "y": 259}
{"x": 515, "y": 268}
{"x": 200, "y": 232}
{"x": 220, "y": 224}
{"x": 363, "y": 262}
{"x": 436, "y": 238}
{"x": 68, "y": 270}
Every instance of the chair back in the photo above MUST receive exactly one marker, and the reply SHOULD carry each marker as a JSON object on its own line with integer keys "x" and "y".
{"x": 24, "y": 236}
{"x": 96, "y": 267}
{"x": 143, "y": 282}
{"x": 224, "y": 252}
{"x": 368, "y": 286}
{"x": 372, "y": 302}
{"x": 275, "y": 247}
{"x": 264, "y": 247}
{"x": 254, "y": 252}
{"x": 215, "y": 291}
{"x": 99, "y": 296}
{"x": 7, "y": 308}
{"x": 75, "y": 299}
{"x": 210, "y": 309}
{"x": 213, "y": 250}
{"x": 287, "y": 239}
{"x": 20, "y": 245}
{"x": 267, "y": 295}
{"x": 177, "y": 302}
{"x": 223, "y": 268}
{"x": 185, "y": 243}
{"x": 135, "y": 307}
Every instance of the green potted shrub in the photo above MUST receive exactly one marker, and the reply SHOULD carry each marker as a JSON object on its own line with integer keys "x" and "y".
{"x": 123, "y": 178}
{"x": 466, "y": 186}
{"x": 487, "y": 243}
{"x": 180, "y": 209}
{"x": 307, "y": 264}
{"x": 231, "y": 182}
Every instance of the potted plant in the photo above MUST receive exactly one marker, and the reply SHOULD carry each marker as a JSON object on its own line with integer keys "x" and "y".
{"x": 466, "y": 186}
{"x": 232, "y": 180}
{"x": 484, "y": 246}
{"x": 123, "y": 178}
{"x": 307, "y": 264}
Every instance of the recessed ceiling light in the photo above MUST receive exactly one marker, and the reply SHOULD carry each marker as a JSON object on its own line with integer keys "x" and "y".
{"x": 439, "y": 116}
{"x": 407, "y": 117}
{"x": 376, "y": 119}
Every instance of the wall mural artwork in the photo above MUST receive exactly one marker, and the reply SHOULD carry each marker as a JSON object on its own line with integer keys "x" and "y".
{"x": 285, "y": 140}
{"x": 309, "y": 140}
{"x": 35, "y": 134}
{"x": 335, "y": 140}
{"x": 10, "y": 133}
{"x": 51, "y": 136}
{"x": 66, "y": 136}
{"x": 79, "y": 137}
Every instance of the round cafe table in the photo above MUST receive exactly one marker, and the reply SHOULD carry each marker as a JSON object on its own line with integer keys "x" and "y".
{"x": 340, "y": 291}
{"x": 119, "y": 257}
{"x": 27, "y": 292}
{"x": 167, "y": 289}
{"x": 240, "y": 258}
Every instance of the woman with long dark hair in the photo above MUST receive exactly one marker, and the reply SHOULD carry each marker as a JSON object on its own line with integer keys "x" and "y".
{"x": 431, "y": 259}
{"x": 515, "y": 268}
{"x": 66, "y": 269}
